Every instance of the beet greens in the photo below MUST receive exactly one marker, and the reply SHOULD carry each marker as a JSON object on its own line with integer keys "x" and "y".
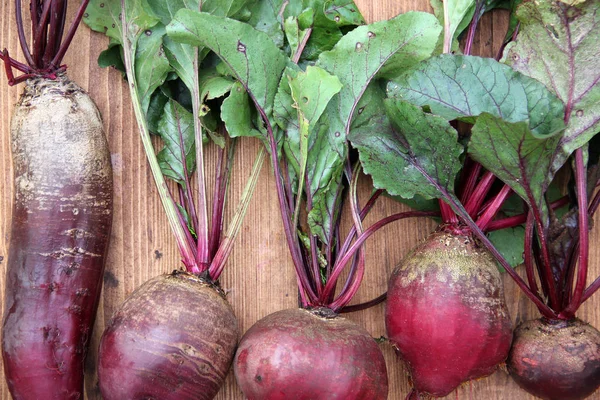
{"x": 178, "y": 93}
{"x": 308, "y": 112}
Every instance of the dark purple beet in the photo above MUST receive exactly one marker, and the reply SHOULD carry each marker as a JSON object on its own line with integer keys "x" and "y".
{"x": 60, "y": 230}
{"x": 556, "y": 360}
{"x": 300, "y": 354}
{"x": 173, "y": 339}
{"x": 446, "y": 314}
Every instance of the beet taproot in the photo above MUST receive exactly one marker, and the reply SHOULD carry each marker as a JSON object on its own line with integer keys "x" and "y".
{"x": 62, "y": 214}
{"x": 446, "y": 314}
{"x": 309, "y": 354}
{"x": 173, "y": 339}
{"x": 556, "y": 360}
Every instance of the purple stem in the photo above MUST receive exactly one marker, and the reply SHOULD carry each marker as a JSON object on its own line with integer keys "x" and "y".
{"x": 363, "y": 306}
{"x": 21, "y": 33}
{"x": 218, "y": 205}
{"x": 584, "y": 232}
{"x": 39, "y": 38}
{"x": 70, "y": 34}
{"x": 290, "y": 233}
{"x": 343, "y": 261}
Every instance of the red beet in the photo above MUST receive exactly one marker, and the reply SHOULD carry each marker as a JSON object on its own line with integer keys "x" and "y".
{"x": 446, "y": 313}
{"x": 173, "y": 339}
{"x": 301, "y": 354}
{"x": 60, "y": 230}
{"x": 556, "y": 360}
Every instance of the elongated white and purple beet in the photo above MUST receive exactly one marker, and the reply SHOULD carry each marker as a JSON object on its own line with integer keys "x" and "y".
{"x": 62, "y": 214}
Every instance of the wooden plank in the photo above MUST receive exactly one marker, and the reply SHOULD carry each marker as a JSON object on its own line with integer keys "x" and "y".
{"x": 259, "y": 278}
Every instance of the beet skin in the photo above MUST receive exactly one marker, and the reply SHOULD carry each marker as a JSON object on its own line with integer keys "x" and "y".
{"x": 556, "y": 360}
{"x": 301, "y": 354}
{"x": 62, "y": 214}
{"x": 446, "y": 314}
{"x": 173, "y": 339}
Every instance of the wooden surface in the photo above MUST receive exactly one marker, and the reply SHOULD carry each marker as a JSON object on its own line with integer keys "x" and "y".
{"x": 259, "y": 276}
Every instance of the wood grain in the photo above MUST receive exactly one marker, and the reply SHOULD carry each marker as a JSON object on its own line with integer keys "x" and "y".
{"x": 259, "y": 276}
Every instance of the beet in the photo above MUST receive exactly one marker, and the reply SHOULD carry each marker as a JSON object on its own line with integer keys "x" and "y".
{"x": 62, "y": 214}
{"x": 556, "y": 360}
{"x": 173, "y": 338}
{"x": 309, "y": 354}
{"x": 446, "y": 313}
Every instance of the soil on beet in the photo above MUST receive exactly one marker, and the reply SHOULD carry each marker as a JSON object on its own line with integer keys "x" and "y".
{"x": 556, "y": 360}
{"x": 446, "y": 313}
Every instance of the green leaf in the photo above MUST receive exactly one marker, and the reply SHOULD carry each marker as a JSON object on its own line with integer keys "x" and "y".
{"x": 509, "y": 243}
{"x": 188, "y": 220}
{"x": 176, "y": 128}
{"x": 251, "y": 55}
{"x": 104, "y": 16}
{"x": 311, "y": 91}
{"x": 267, "y": 17}
{"x": 361, "y": 55}
{"x": 517, "y": 156}
{"x": 112, "y": 56}
{"x": 236, "y": 112}
{"x": 466, "y": 86}
{"x": 419, "y": 154}
{"x": 326, "y": 210}
{"x": 166, "y": 10}
{"x": 343, "y": 12}
{"x": 156, "y": 109}
{"x": 558, "y": 46}
{"x": 151, "y": 65}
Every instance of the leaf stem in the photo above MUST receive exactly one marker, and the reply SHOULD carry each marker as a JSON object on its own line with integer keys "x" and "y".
{"x": 21, "y": 33}
{"x": 478, "y": 196}
{"x": 202, "y": 217}
{"x": 289, "y": 229}
{"x": 356, "y": 246}
{"x": 584, "y": 232}
{"x": 169, "y": 205}
{"x": 218, "y": 263}
{"x": 484, "y": 220}
{"x": 363, "y": 306}
{"x": 55, "y": 63}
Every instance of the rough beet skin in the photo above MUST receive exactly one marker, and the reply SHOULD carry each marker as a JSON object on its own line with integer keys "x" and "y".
{"x": 301, "y": 354}
{"x": 556, "y": 360}
{"x": 173, "y": 339}
{"x": 446, "y": 314}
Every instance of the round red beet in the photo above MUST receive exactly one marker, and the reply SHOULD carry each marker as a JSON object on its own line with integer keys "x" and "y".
{"x": 300, "y": 354}
{"x": 556, "y": 360}
{"x": 173, "y": 339}
{"x": 446, "y": 314}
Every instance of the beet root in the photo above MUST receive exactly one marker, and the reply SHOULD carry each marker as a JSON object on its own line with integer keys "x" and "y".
{"x": 62, "y": 214}
{"x": 173, "y": 339}
{"x": 300, "y": 354}
{"x": 556, "y": 360}
{"x": 446, "y": 314}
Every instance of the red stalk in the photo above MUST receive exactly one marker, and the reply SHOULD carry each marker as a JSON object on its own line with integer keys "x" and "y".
{"x": 346, "y": 257}
{"x": 478, "y": 196}
{"x": 218, "y": 205}
{"x": 491, "y": 211}
{"x": 582, "y": 204}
